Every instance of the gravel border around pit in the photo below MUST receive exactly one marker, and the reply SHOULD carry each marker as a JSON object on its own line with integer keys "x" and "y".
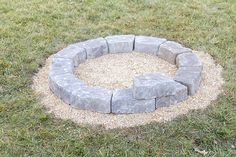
{"x": 210, "y": 88}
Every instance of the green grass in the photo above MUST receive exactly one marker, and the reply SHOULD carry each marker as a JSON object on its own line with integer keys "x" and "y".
{"x": 30, "y": 31}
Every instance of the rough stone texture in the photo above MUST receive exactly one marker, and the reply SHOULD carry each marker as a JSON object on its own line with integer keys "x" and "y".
{"x": 73, "y": 52}
{"x": 153, "y": 85}
{"x": 92, "y": 98}
{"x": 170, "y": 49}
{"x": 61, "y": 66}
{"x": 188, "y": 60}
{"x": 123, "y": 102}
{"x": 120, "y": 43}
{"x": 94, "y": 47}
{"x": 190, "y": 77}
{"x": 74, "y": 92}
{"x": 148, "y": 44}
{"x": 180, "y": 94}
{"x": 60, "y": 62}
{"x": 63, "y": 85}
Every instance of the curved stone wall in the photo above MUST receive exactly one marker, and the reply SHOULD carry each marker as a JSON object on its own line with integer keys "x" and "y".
{"x": 149, "y": 91}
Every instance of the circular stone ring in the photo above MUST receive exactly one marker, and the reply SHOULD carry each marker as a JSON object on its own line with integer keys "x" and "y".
{"x": 149, "y": 92}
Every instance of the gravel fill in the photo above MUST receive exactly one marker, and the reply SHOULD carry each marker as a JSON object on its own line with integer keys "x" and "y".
{"x": 117, "y": 71}
{"x": 114, "y": 71}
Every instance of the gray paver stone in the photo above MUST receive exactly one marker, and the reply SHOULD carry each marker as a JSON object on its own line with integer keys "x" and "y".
{"x": 124, "y": 102}
{"x": 92, "y": 98}
{"x": 120, "y": 43}
{"x": 170, "y": 49}
{"x": 147, "y": 44}
{"x": 76, "y": 93}
{"x": 153, "y": 85}
{"x": 63, "y": 85}
{"x": 61, "y": 66}
{"x": 188, "y": 60}
{"x": 190, "y": 77}
{"x": 180, "y": 94}
{"x": 94, "y": 47}
{"x": 73, "y": 52}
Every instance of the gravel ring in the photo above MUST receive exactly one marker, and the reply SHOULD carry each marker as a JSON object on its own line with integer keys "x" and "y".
{"x": 210, "y": 88}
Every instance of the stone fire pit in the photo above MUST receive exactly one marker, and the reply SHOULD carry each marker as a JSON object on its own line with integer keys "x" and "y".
{"x": 149, "y": 92}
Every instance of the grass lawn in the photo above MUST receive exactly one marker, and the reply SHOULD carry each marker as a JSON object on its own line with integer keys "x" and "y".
{"x": 32, "y": 30}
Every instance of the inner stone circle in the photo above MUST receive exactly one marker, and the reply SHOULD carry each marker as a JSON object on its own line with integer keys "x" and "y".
{"x": 113, "y": 71}
{"x": 149, "y": 91}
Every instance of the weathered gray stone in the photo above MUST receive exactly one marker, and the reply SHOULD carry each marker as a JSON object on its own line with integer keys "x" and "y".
{"x": 61, "y": 66}
{"x": 188, "y": 60}
{"x": 170, "y": 49}
{"x": 73, "y": 52}
{"x": 153, "y": 85}
{"x": 59, "y": 62}
{"x": 123, "y": 102}
{"x": 147, "y": 44}
{"x": 190, "y": 77}
{"x": 120, "y": 43}
{"x": 180, "y": 94}
{"x": 76, "y": 93}
{"x": 63, "y": 85}
{"x": 92, "y": 98}
{"x": 94, "y": 47}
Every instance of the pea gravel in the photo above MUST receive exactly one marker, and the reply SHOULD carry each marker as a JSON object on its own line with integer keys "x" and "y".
{"x": 114, "y": 71}
{"x": 103, "y": 72}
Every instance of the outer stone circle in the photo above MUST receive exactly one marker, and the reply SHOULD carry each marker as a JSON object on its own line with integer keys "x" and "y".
{"x": 149, "y": 92}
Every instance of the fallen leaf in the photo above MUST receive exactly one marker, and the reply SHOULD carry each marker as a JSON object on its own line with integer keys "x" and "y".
{"x": 203, "y": 152}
